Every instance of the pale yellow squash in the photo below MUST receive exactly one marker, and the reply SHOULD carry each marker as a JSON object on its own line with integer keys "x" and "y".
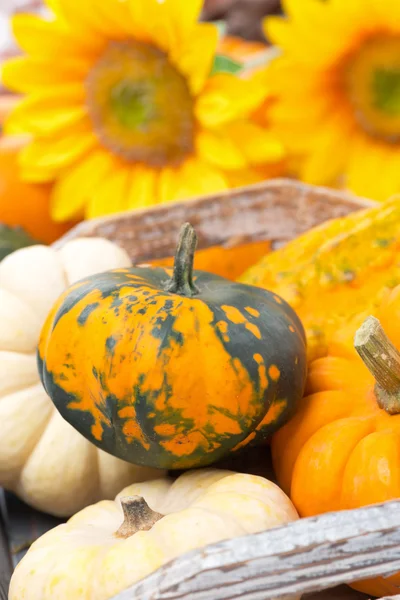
{"x": 105, "y": 549}
{"x": 42, "y": 458}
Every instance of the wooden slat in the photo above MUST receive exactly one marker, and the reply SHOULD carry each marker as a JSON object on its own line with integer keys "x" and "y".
{"x": 303, "y": 556}
{"x": 277, "y": 210}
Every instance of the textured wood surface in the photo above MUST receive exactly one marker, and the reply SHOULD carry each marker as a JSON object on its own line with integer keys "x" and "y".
{"x": 303, "y": 556}
{"x": 276, "y": 210}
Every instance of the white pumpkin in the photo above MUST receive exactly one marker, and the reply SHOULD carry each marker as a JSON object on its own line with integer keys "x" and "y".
{"x": 105, "y": 549}
{"x": 42, "y": 458}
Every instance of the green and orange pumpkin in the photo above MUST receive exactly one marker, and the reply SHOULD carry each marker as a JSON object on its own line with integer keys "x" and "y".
{"x": 172, "y": 368}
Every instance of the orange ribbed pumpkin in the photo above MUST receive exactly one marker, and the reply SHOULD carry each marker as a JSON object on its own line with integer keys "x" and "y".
{"x": 341, "y": 450}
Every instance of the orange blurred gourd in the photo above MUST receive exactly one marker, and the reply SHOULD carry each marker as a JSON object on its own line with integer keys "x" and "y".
{"x": 241, "y": 50}
{"x": 25, "y": 204}
{"x": 335, "y": 271}
{"x": 226, "y": 262}
{"x": 341, "y": 450}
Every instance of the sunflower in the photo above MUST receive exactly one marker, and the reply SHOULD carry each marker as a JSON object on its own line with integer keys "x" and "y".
{"x": 337, "y": 86}
{"x": 125, "y": 109}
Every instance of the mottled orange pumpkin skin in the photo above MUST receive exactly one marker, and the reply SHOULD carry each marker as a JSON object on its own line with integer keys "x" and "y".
{"x": 341, "y": 451}
{"x": 160, "y": 379}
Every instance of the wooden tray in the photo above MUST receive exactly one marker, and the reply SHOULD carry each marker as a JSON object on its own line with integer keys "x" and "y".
{"x": 277, "y": 210}
{"x": 303, "y": 557}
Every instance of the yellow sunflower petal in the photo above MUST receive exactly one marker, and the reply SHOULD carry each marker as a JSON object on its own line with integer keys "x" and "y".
{"x": 47, "y": 111}
{"x": 150, "y": 21}
{"x": 374, "y": 169}
{"x": 26, "y": 74}
{"x": 52, "y": 154}
{"x": 305, "y": 28}
{"x": 355, "y": 15}
{"x": 74, "y": 187}
{"x": 184, "y": 14}
{"x": 53, "y": 5}
{"x": 95, "y": 18}
{"x": 75, "y": 15}
{"x": 245, "y": 177}
{"x": 362, "y": 167}
{"x": 288, "y": 38}
{"x": 69, "y": 94}
{"x": 109, "y": 195}
{"x": 389, "y": 183}
{"x": 46, "y": 39}
{"x": 140, "y": 19}
{"x": 194, "y": 178}
{"x": 226, "y": 98}
{"x": 198, "y": 178}
{"x": 309, "y": 19}
{"x": 196, "y": 58}
{"x": 325, "y": 163}
{"x": 300, "y": 111}
{"x": 258, "y": 145}
{"x": 168, "y": 23}
{"x": 308, "y": 14}
{"x": 285, "y": 71}
{"x": 220, "y": 150}
{"x": 392, "y": 13}
{"x": 178, "y": 17}
{"x": 278, "y": 31}
{"x": 142, "y": 187}
{"x": 92, "y": 21}
{"x": 47, "y": 122}
{"x": 30, "y": 174}
{"x": 167, "y": 184}
{"x": 117, "y": 14}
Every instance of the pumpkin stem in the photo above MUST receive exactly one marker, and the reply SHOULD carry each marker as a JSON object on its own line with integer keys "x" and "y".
{"x": 382, "y": 359}
{"x": 181, "y": 281}
{"x": 138, "y": 516}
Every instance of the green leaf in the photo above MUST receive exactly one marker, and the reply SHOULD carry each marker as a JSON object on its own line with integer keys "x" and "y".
{"x": 224, "y": 64}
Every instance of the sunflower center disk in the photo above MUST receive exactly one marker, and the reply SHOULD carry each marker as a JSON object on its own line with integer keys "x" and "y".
{"x": 140, "y": 105}
{"x": 372, "y": 78}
